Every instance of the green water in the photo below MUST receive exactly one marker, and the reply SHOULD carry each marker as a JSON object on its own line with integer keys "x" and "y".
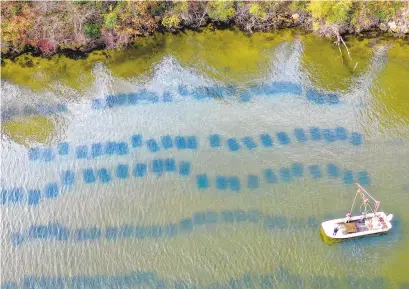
{"x": 373, "y": 89}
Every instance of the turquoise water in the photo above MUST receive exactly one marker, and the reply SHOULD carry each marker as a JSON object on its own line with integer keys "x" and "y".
{"x": 177, "y": 179}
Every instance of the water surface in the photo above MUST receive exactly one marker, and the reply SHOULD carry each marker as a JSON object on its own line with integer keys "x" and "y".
{"x": 255, "y": 221}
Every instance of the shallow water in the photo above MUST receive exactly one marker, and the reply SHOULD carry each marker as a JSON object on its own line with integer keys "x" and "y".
{"x": 190, "y": 162}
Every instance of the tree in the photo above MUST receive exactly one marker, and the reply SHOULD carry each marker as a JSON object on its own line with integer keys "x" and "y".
{"x": 171, "y": 22}
{"x": 128, "y": 20}
{"x": 330, "y": 12}
{"x": 17, "y": 21}
{"x": 221, "y": 11}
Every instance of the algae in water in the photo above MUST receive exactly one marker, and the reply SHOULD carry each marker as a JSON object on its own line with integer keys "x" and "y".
{"x": 32, "y": 129}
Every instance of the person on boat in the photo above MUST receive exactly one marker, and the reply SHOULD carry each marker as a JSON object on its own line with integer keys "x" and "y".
{"x": 362, "y": 219}
{"x": 335, "y": 230}
{"x": 348, "y": 217}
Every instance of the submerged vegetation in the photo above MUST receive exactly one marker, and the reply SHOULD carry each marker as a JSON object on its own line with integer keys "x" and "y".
{"x": 48, "y": 27}
{"x": 66, "y": 31}
{"x": 31, "y": 129}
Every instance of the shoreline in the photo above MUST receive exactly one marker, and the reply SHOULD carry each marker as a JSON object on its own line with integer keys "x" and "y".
{"x": 114, "y": 25}
{"x": 83, "y": 52}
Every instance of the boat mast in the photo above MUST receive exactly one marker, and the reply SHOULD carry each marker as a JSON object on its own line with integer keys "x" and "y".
{"x": 353, "y": 203}
{"x": 366, "y": 202}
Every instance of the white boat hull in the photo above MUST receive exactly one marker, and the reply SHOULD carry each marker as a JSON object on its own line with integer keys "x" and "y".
{"x": 356, "y": 227}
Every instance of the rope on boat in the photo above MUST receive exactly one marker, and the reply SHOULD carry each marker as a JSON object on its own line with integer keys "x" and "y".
{"x": 353, "y": 203}
{"x": 366, "y": 202}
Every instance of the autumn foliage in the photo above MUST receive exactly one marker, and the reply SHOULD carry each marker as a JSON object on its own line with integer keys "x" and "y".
{"x": 18, "y": 20}
{"x": 84, "y": 25}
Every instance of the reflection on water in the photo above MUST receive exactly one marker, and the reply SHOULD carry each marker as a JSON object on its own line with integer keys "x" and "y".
{"x": 391, "y": 92}
{"x": 203, "y": 160}
{"x": 332, "y": 69}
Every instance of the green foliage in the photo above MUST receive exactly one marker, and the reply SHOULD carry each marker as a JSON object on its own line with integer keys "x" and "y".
{"x": 160, "y": 9}
{"x": 330, "y": 12}
{"x": 383, "y": 10}
{"x": 110, "y": 20}
{"x": 221, "y": 11}
{"x": 92, "y": 30}
{"x": 82, "y": 2}
{"x": 299, "y": 5}
{"x": 181, "y": 7}
{"x": 258, "y": 10}
{"x": 171, "y": 22}
{"x": 357, "y": 14}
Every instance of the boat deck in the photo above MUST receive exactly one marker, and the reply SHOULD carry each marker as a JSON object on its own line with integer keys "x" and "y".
{"x": 353, "y": 227}
{"x": 357, "y": 226}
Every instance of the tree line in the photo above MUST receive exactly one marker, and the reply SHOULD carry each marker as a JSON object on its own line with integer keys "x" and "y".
{"x": 50, "y": 26}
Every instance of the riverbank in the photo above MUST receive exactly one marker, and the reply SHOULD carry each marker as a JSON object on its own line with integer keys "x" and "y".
{"x": 77, "y": 28}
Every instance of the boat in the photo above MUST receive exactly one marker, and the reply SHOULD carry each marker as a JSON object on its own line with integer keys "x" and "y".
{"x": 369, "y": 222}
